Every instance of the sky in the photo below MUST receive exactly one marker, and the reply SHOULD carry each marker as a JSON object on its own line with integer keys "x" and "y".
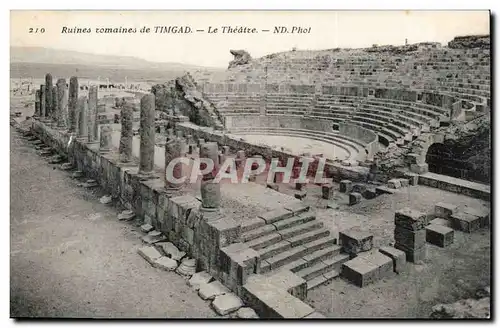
{"x": 328, "y": 29}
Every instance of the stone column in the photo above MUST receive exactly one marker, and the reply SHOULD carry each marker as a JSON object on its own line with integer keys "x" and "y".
{"x": 210, "y": 191}
{"x": 147, "y": 130}
{"x": 42, "y": 102}
{"x": 105, "y": 138}
{"x": 55, "y": 104}
{"x": 93, "y": 118}
{"x": 83, "y": 130}
{"x": 173, "y": 151}
{"x": 48, "y": 95}
{"x": 62, "y": 103}
{"x": 37, "y": 103}
{"x": 72, "y": 103}
{"x": 127, "y": 134}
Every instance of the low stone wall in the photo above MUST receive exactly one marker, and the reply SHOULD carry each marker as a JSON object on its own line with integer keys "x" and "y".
{"x": 467, "y": 188}
{"x": 368, "y": 138}
{"x": 209, "y": 237}
{"x": 332, "y": 170}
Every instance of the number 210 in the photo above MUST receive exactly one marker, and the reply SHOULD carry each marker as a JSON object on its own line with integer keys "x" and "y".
{"x": 36, "y": 30}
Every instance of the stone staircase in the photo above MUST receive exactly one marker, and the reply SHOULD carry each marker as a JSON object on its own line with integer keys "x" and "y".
{"x": 295, "y": 240}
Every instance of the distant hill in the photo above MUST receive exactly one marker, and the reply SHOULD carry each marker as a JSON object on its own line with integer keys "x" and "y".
{"x": 37, "y": 61}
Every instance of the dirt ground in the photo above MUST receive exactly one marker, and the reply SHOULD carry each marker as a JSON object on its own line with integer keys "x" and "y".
{"x": 447, "y": 275}
{"x": 71, "y": 257}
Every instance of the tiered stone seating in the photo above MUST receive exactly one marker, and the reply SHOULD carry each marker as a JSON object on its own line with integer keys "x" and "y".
{"x": 353, "y": 147}
{"x": 236, "y": 104}
{"x": 288, "y": 104}
{"x": 333, "y": 107}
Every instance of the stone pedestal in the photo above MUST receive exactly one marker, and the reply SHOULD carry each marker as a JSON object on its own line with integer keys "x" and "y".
{"x": 147, "y": 132}
{"x": 105, "y": 141}
{"x": 355, "y": 241}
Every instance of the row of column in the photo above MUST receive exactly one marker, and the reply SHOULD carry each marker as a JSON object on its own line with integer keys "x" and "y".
{"x": 61, "y": 104}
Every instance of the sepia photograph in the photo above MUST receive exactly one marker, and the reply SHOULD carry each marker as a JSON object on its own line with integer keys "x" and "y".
{"x": 250, "y": 164}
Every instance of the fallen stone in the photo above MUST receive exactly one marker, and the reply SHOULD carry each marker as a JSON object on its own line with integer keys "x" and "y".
{"x": 172, "y": 251}
{"x": 56, "y": 159}
{"x": 482, "y": 213}
{"x": 246, "y": 313}
{"x": 359, "y": 188}
{"x": 165, "y": 263}
{"x": 439, "y": 235}
{"x": 35, "y": 141}
{"x": 187, "y": 267}
{"x": 394, "y": 183}
{"x": 354, "y": 198}
{"x": 398, "y": 257}
{"x": 226, "y": 303}
{"x": 198, "y": 279}
{"x": 369, "y": 193}
{"x": 146, "y": 228}
{"x": 301, "y": 194}
{"x": 384, "y": 264}
{"x": 410, "y": 219}
{"x": 441, "y": 221}
{"x": 465, "y": 222}
{"x": 126, "y": 215}
{"x": 77, "y": 175}
{"x": 359, "y": 272}
{"x": 45, "y": 152}
{"x": 413, "y": 255}
{"x": 154, "y": 237}
{"x": 345, "y": 186}
{"x": 380, "y": 190}
{"x": 105, "y": 199}
{"x": 149, "y": 253}
{"x": 412, "y": 239}
{"x": 463, "y": 309}
{"x": 211, "y": 290}
{"x": 404, "y": 182}
{"x": 354, "y": 241}
{"x": 419, "y": 168}
{"x": 90, "y": 184}
{"x": 444, "y": 210}
{"x": 327, "y": 191}
{"x": 66, "y": 166}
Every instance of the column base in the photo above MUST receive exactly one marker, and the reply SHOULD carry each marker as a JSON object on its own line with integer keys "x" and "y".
{"x": 143, "y": 176}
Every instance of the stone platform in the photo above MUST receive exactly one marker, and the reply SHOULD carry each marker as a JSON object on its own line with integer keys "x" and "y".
{"x": 469, "y": 188}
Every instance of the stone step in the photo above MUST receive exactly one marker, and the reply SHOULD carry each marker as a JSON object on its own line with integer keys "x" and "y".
{"x": 323, "y": 266}
{"x": 322, "y": 279}
{"x": 295, "y": 265}
{"x": 321, "y": 254}
{"x": 309, "y": 236}
{"x": 299, "y": 229}
{"x": 274, "y": 249}
{"x": 314, "y": 270}
{"x": 321, "y": 243}
{"x": 294, "y": 220}
{"x": 264, "y": 241}
{"x": 295, "y": 253}
{"x": 258, "y": 233}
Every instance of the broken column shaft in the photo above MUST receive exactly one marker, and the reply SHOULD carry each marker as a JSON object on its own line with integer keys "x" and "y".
{"x": 105, "y": 138}
{"x": 126, "y": 137}
{"x": 147, "y": 131}
{"x": 93, "y": 118}
{"x": 48, "y": 95}
{"x": 72, "y": 103}
{"x": 172, "y": 151}
{"x": 83, "y": 118}
{"x": 42, "y": 101}
{"x": 210, "y": 190}
{"x": 62, "y": 103}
